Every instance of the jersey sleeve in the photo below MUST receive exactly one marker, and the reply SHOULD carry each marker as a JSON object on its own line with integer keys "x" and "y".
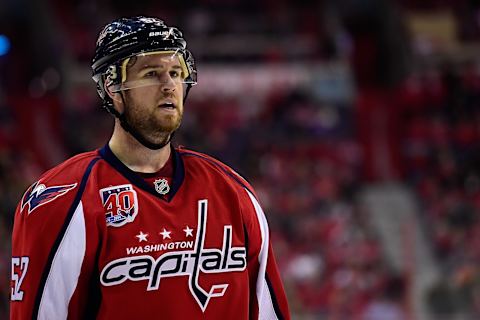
{"x": 268, "y": 300}
{"x": 50, "y": 246}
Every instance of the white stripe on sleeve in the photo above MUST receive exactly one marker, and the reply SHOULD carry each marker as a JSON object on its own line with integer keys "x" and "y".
{"x": 65, "y": 270}
{"x": 265, "y": 305}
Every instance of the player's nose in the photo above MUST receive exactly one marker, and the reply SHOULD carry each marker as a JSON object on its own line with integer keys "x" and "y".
{"x": 168, "y": 84}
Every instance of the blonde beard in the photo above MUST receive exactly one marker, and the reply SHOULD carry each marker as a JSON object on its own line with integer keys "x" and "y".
{"x": 155, "y": 129}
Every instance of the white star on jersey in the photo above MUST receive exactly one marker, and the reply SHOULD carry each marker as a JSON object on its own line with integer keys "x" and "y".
{"x": 165, "y": 234}
{"x": 142, "y": 236}
{"x": 188, "y": 232}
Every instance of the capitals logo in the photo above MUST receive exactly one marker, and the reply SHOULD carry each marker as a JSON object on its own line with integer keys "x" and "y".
{"x": 39, "y": 194}
{"x": 186, "y": 263}
{"x": 120, "y": 204}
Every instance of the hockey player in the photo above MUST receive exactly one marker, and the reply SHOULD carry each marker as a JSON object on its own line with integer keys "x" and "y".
{"x": 139, "y": 229}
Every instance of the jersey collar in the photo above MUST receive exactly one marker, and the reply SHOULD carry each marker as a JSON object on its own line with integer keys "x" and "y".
{"x": 177, "y": 179}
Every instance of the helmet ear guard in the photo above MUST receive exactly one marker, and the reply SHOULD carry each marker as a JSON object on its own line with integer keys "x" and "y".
{"x": 112, "y": 74}
{"x": 103, "y": 82}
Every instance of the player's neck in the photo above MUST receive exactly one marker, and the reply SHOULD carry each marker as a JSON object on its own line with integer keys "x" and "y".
{"x": 134, "y": 155}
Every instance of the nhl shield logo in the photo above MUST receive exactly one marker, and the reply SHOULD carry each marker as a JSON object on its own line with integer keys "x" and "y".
{"x": 120, "y": 204}
{"x": 161, "y": 186}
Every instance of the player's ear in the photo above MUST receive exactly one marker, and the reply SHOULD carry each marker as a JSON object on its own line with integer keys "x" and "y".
{"x": 114, "y": 95}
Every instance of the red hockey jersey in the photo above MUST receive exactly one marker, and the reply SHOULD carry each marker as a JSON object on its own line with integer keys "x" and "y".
{"x": 93, "y": 240}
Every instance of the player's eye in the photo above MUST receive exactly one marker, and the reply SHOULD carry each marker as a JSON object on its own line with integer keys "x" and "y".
{"x": 150, "y": 74}
{"x": 174, "y": 74}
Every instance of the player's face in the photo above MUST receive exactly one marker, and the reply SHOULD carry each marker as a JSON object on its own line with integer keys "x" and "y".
{"x": 154, "y": 95}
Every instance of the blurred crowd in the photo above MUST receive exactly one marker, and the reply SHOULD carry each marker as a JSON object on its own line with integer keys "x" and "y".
{"x": 440, "y": 145}
{"x": 308, "y": 149}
